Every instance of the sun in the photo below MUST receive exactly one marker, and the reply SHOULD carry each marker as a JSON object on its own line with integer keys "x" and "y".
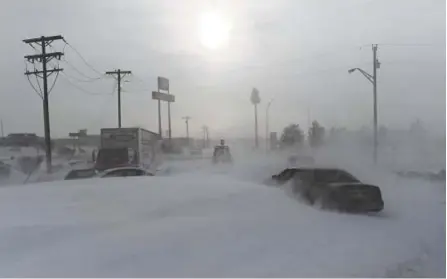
{"x": 213, "y": 30}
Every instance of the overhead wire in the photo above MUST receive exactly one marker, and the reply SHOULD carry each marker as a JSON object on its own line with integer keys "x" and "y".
{"x": 407, "y": 45}
{"x": 69, "y": 78}
{"x": 54, "y": 82}
{"x": 32, "y": 85}
{"x": 82, "y": 57}
{"x": 80, "y": 88}
{"x": 37, "y": 81}
{"x": 88, "y": 78}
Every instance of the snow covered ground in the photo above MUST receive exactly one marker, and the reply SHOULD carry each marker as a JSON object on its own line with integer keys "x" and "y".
{"x": 206, "y": 221}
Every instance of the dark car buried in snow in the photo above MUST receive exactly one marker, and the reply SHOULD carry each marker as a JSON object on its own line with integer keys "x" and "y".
{"x": 332, "y": 189}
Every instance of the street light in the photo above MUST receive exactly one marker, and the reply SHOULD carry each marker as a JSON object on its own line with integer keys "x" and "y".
{"x": 255, "y": 100}
{"x": 267, "y": 124}
{"x": 373, "y": 79}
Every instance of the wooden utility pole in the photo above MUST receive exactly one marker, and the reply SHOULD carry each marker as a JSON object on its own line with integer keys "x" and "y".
{"x": 44, "y": 58}
{"x": 187, "y": 118}
{"x": 267, "y": 129}
{"x": 1, "y": 126}
{"x": 120, "y": 74}
{"x": 205, "y": 136}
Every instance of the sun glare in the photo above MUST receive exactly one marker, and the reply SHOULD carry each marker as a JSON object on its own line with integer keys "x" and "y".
{"x": 214, "y": 30}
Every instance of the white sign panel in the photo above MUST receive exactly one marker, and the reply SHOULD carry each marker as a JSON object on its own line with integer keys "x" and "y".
{"x": 163, "y": 97}
{"x": 163, "y": 83}
{"x": 255, "y": 99}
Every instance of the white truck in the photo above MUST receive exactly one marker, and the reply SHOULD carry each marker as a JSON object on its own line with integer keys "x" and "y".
{"x": 121, "y": 147}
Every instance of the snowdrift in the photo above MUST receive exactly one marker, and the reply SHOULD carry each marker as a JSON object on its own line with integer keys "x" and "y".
{"x": 211, "y": 225}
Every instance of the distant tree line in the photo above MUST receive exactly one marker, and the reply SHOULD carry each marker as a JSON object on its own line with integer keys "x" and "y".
{"x": 293, "y": 136}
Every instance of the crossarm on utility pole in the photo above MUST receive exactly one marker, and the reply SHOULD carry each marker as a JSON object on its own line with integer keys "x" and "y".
{"x": 122, "y": 72}
{"x": 27, "y": 73}
{"x": 38, "y": 40}
{"x": 39, "y": 57}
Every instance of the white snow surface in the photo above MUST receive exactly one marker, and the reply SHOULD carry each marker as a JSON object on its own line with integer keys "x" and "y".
{"x": 208, "y": 221}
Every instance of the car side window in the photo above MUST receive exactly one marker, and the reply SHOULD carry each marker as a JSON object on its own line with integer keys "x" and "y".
{"x": 140, "y": 173}
{"x": 117, "y": 173}
{"x": 131, "y": 173}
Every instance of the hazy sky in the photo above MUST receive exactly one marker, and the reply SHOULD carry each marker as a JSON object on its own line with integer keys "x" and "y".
{"x": 295, "y": 51}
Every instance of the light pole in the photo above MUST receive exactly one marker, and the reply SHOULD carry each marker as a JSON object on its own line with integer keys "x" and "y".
{"x": 373, "y": 79}
{"x": 255, "y": 100}
{"x": 267, "y": 125}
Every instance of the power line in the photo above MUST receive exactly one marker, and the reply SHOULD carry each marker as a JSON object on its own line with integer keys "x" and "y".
{"x": 407, "y": 45}
{"x": 88, "y": 78}
{"x": 68, "y": 79}
{"x": 55, "y": 79}
{"x": 83, "y": 59}
{"x": 54, "y": 82}
{"x": 37, "y": 91}
{"x": 80, "y": 88}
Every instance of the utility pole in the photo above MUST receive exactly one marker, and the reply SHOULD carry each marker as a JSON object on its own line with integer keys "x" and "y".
{"x": 120, "y": 74}
{"x": 256, "y": 126}
{"x": 267, "y": 125}
{"x": 205, "y": 136}
{"x": 169, "y": 121}
{"x": 308, "y": 118}
{"x": 187, "y": 118}
{"x": 373, "y": 79}
{"x": 44, "y": 58}
{"x": 1, "y": 126}
{"x": 375, "y": 66}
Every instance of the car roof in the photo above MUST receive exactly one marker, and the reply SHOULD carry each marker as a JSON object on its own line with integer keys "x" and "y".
{"x": 323, "y": 168}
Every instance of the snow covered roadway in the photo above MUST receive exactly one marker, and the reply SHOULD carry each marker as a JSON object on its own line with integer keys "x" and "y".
{"x": 215, "y": 222}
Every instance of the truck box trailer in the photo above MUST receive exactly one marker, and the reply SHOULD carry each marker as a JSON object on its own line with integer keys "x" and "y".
{"x": 129, "y": 147}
